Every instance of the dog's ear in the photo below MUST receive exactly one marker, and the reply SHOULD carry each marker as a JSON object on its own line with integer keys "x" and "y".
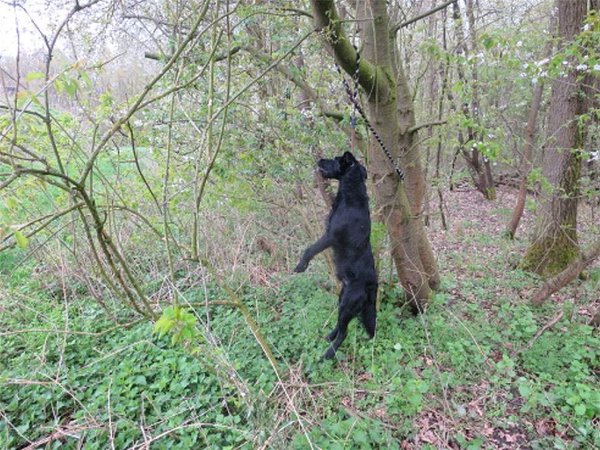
{"x": 349, "y": 158}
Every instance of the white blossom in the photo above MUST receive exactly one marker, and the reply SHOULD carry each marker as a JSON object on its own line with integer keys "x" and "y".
{"x": 582, "y": 67}
{"x": 597, "y": 67}
{"x": 519, "y": 43}
{"x": 542, "y": 62}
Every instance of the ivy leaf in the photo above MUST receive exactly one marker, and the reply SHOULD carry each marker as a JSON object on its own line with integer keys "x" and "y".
{"x": 22, "y": 240}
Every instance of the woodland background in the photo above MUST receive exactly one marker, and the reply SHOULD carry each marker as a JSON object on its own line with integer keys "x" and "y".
{"x": 157, "y": 187}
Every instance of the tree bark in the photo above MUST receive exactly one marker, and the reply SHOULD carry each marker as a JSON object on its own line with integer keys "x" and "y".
{"x": 525, "y": 165}
{"x": 530, "y": 135}
{"x": 555, "y": 243}
{"x": 391, "y": 113}
{"x": 571, "y": 272}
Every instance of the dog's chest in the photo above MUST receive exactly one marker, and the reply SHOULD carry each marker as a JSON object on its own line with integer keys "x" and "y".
{"x": 349, "y": 224}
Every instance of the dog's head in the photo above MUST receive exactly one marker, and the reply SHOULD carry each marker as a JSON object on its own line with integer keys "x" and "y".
{"x": 340, "y": 166}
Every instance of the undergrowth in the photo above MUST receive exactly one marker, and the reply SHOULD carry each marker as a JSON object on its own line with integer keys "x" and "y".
{"x": 469, "y": 373}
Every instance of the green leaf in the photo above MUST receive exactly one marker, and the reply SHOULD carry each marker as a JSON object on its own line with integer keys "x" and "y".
{"x": 22, "y": 240}
{"x": 580, "y": 409}
{"x": 488, "y": 42}
{"x": 71, "y": 87}
{"x": 524, "y": 390}
{"x": 11, "y": 203}
{"x": 164, "y": 324}
{"x": 34, "y": 76}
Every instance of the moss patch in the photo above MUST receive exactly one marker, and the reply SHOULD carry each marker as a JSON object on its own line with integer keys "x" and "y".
{"x": 550, "y": 255}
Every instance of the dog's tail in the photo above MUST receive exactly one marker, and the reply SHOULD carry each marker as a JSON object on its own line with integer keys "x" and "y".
{"x": 368, "y": 314}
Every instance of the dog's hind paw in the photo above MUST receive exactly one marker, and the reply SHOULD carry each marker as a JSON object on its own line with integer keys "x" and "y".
{"x": 329, "y": 354}
{"x": 300, "y": 267}
{"x": 331, "y": 336}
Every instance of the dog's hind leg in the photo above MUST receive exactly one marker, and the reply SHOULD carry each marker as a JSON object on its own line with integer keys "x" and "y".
{"x": 342, "y": 329}
{"x": 368, "y": 314}
{"x": 331, "y": 336}
{"x": 348, "y": 309}
{"x": 312, "y": 251}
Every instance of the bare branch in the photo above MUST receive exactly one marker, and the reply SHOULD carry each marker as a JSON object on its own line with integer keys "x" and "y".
{"x": 8, "y": 181}
{"x": 136, "y": 105}
{"x": 418, "y": 126}
{"x": 299, "y": 82}
{"x": 542, "y": 330}
{"x": 396, "y": 28}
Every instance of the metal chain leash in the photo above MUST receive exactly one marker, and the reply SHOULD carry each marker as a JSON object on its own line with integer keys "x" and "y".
{"x": 353, "y": 96}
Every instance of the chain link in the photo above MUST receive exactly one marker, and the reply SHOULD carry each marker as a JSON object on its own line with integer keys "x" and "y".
{"x": 353, "y": 96}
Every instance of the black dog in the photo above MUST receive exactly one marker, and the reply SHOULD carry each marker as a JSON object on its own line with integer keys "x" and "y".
{"x": 348, "y": 232}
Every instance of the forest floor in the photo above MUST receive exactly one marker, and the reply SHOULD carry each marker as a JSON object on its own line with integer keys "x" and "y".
{"x": 478, "y": 226}
{"x": 473, "y": 248}
{"x": 481, "y": 369}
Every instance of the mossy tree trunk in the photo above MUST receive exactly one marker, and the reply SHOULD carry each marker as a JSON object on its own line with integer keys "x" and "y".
{"x": 555, "y": 243}
{"x": 391, "y": 112}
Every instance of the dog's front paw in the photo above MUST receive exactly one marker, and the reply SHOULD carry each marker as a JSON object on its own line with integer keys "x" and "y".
{"x": 301, "y": 267}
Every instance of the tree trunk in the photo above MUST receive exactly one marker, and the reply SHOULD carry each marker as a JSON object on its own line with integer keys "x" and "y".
{"x": 525, "y": 166}
{"x": 555, "y": 239}
{"x": 478, "y": 165}
{"x": 567, "y": 275}
{"x": 391, "y": 113}
{"x": 485, "y": 182}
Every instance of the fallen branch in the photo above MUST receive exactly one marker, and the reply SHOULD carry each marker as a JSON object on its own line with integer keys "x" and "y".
{"x": 542, "y": 330}
{"x": 573, "y": 270}
{"x": 70, "y": 430}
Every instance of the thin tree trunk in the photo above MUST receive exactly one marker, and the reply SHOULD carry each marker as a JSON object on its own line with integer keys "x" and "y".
{"x": 525, "y": 166}
{"x": 530, "y": 135}
{"x": 444, "y": 73}
{"x": 432, "y": 84}
{"x": 478, "y": 165}
{"x": 486, "y": 179}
